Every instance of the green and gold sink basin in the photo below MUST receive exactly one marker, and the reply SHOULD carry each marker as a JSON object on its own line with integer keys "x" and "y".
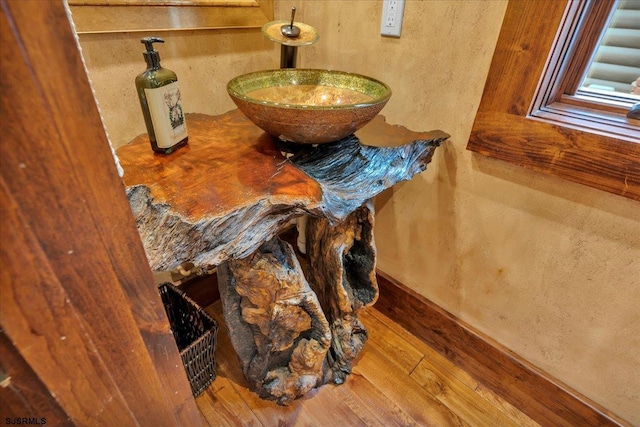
{"x": 308, "y": 106}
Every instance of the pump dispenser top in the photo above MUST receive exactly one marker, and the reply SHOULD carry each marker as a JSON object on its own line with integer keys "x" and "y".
{"x": 151, "y": 55}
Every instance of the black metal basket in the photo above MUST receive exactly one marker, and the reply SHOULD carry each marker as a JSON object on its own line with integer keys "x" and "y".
{"x": 195, "y": 333}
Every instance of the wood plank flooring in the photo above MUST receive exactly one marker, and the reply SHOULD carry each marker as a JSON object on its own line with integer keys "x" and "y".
{"x": 397, "y": 380}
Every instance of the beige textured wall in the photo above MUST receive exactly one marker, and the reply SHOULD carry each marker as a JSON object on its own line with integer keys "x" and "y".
{"x": 548, "y": 268}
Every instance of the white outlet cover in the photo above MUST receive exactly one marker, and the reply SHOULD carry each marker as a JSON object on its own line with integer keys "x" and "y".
{"x": 392, "y": 12}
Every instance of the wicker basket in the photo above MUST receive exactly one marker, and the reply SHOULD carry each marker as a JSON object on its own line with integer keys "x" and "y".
{"x": 195, "y": 333}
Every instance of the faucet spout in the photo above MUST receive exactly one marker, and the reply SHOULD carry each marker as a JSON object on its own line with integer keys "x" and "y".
{"x": 291, "y": 30}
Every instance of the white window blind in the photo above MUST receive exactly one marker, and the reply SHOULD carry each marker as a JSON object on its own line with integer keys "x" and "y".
{"x": 615, "y": 66}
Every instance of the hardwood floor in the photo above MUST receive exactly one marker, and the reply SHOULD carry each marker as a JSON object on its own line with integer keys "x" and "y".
{"x": 397, "y": 380}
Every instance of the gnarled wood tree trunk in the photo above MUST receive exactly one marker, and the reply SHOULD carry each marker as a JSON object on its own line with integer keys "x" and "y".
{"x": 276, "y": 324}
{"x": 342, "y": 262}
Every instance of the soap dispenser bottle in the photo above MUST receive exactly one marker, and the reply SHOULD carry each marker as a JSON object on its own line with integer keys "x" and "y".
{"x": 161, "y": 103}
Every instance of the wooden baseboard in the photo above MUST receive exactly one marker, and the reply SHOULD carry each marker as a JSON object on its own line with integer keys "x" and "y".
{"x": 535, "y": 393}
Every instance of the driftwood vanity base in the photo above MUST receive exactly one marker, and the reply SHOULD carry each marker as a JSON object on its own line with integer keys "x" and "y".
{"x": 342, "y": 262}
{"x": 275, "y": 321}
{"x": 221, "y": 201}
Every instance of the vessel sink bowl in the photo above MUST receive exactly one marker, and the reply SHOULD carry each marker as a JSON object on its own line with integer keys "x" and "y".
{"x": 308, "y": 106}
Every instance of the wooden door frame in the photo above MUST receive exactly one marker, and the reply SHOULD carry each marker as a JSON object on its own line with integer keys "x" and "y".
{"x": 78, "y": 302}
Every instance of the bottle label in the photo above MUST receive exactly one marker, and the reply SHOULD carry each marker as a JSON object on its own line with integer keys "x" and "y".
{"x": 166, "y": 113}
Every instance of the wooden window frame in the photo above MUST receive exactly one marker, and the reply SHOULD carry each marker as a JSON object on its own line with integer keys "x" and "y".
{"x": 526, "y": 118}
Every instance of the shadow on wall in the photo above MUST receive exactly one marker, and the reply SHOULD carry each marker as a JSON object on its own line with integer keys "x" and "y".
{"x": 434, "y": 227}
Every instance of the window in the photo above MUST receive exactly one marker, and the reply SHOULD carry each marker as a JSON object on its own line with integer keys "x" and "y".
{"x": 538, "y": 110}
{"x": 614, "y": 68}
{"x": 588, "y": 80}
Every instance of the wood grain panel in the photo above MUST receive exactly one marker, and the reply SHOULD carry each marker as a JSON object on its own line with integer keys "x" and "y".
{"x": 51, "y": 335}
{"x": 578, "y": 156}
{"x": 398, "y": 348}
{"x": 385, "y": 390}
{"x": 520, "y": 55}
{"x": 531, "y": 391}
{"x": 78, "y": 298}
{"x": 459, "y": 398}
{"x": 366, "y": 398}
{"x": 401, "y": 338}
{"x": 25, "y": 396}
{"x": 138, "y": 16}
{"x": 463, "y": 355}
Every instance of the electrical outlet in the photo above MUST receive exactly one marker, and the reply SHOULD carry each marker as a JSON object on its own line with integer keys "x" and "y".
{"x": 392, "y": 11}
